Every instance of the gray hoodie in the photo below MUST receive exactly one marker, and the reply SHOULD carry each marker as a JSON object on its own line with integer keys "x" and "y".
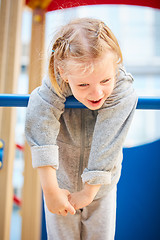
{"x": 82, "y": 144}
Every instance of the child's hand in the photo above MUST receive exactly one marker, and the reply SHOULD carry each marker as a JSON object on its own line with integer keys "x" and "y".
{"x": 80, "y": 199}
{"x": 56, "y": 198}
{"x": 84, "y": 197}
{"x": 57, "y": 202}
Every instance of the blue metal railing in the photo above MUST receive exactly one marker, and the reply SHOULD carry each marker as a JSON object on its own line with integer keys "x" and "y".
{"x": 17, "y": 100}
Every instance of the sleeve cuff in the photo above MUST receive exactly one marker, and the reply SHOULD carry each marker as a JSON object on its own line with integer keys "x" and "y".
{"x": 96, "y": 177}
{"x": 45, "y": 156}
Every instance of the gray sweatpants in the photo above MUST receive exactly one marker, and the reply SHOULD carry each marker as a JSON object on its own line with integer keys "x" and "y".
{"x": 94, "y": 222}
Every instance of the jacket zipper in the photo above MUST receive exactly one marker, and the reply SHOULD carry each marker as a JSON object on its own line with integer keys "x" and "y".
{"x": 81, "y": 150}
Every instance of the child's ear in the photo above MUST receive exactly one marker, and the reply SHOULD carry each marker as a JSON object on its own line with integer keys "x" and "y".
{"x": 61, "y": 72}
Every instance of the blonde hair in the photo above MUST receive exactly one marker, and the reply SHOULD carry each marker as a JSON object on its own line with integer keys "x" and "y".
{"x": 80, "y": 42}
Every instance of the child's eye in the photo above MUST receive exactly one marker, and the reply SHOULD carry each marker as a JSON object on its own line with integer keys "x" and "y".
{"x": 83, "y": 85}
{"x": 106, "y": 80}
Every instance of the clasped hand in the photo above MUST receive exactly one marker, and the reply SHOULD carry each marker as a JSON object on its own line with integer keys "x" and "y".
{"x": 57, "y": 202}
{"x": 65, "y": 203}
{"x": 80, "y": 199}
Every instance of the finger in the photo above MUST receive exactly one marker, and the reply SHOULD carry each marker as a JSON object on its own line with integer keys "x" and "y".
{"x": 71, "y": 201}
{"x": 66, "y": 192}
{"x": 69, "y": 197}
{"x": 64, "y": 213}
{"x": 71, "y": 209}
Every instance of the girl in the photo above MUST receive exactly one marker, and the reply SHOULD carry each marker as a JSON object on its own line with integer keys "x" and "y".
{"x": 78, "y": 152}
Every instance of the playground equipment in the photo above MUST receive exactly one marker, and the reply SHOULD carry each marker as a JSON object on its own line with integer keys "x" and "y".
{"x": 1, "y": 152}
{"x": 16, "y": 100}
{"x": 138, "y": 206}
{"x": 139, "y": 180}
{"x": 10, "y": 16}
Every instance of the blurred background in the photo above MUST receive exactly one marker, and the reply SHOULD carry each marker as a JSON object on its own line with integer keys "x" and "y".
{"x": 138, "y": 32}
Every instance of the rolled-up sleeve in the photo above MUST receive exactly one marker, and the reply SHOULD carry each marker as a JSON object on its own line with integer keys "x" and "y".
{"x": 42, "y": 125}
{"x": 112, "y": 124}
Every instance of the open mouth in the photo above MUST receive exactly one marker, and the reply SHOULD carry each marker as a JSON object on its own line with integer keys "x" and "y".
{"x": 95, "y": 102}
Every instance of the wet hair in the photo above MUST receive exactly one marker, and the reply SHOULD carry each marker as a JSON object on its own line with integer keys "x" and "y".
{"x": 80, "y": 43}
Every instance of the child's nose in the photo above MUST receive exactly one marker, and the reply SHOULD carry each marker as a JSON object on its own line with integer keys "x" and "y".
{"x": 96, "y": 93}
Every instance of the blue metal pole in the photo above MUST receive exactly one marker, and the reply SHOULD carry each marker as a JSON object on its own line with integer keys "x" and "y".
{"x": 14, "y": 100}
{"x": 17, "y": 100}
{"x": 149, "y": 103}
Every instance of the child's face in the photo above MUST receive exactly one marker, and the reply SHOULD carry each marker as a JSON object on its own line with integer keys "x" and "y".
{"x": 93, "y": 89}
